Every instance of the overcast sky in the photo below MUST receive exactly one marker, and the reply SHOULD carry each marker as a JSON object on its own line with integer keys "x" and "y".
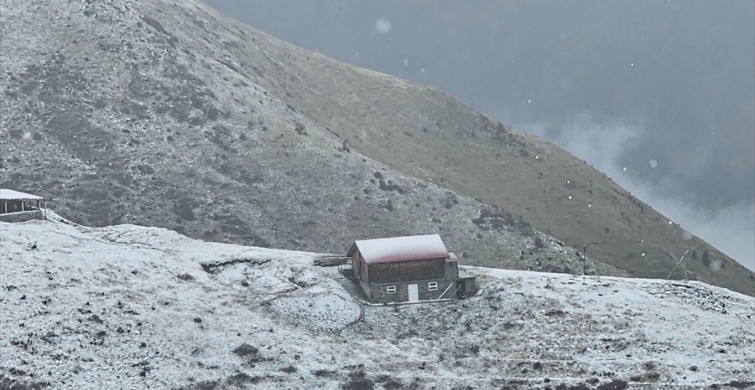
{"x": 658, "y": 94}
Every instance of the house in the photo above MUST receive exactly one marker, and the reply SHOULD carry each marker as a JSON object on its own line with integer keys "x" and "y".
{"x": 407, "y": 269}
{"x": 16, "y": 206}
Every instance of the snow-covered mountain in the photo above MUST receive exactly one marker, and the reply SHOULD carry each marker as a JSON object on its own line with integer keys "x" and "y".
{"x": 136, "y": 307}
{"x": 169, "y": 114}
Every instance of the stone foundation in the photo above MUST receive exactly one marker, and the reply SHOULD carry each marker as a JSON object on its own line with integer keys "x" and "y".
{"x": 22, "y": 216}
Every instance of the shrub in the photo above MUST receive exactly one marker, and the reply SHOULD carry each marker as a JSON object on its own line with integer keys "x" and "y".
{"x": 185, "y": 277}
{"x": 245, "y": 349}
{"x": 323, "y": 373}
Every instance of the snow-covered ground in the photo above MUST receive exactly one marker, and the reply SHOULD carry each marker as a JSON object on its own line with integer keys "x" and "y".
{"x": 131, "y": 307}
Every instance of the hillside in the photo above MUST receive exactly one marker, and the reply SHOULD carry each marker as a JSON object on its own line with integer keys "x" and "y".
{"x": 544, "y": 63}
{"x": 169, "y": 114}
{"x": 139, "y": 307}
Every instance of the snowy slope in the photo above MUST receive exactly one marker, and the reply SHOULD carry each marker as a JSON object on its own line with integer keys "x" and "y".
{"x": 135, "y": 307}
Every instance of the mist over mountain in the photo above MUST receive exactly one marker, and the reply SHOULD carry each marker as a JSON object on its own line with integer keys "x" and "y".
{"x": 677, "y": 77}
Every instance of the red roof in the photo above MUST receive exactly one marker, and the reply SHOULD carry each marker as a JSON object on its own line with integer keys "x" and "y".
{"x": 398, "y": 249}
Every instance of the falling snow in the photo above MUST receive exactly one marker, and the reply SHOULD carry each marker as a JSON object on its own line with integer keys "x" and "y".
{"x": 383, "y": 26}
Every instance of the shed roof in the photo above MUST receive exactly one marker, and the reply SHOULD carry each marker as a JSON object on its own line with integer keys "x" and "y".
{"x": 6, "y": 194}
{"x": 397, "y": 249}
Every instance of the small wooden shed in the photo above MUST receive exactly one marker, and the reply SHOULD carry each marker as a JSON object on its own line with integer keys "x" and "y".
{"x": 407, "y": 269}
{"x": 16, "y": 206}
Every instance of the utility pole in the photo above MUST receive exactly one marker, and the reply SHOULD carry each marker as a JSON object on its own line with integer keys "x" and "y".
{"x": 677, "y": 264}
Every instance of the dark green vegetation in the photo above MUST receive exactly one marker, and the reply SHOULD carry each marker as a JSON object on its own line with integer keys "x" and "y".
{"x": 171, "y": 115}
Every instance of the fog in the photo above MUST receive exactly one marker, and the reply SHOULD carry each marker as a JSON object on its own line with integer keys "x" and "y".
{"x": 729, "y": 228}
{"x": 659, "y": 95}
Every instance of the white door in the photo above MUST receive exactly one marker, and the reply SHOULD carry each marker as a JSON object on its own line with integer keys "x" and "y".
{"x": 413, "y": 293}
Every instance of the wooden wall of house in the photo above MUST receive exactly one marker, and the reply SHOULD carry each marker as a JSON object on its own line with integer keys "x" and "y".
{"x": 357, "y": 264}
{"x": 452, "y": 269}
{"x": 368, "y": 291}
{"x": 406, "y": 271}
{"x": 380, "y": 294}
{"x": 365, "y": 269}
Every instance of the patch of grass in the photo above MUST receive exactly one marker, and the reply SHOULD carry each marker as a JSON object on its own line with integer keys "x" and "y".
{"x": 205, "y": 385}
{"x": 242, "y": 378}
{"x": 18, "y": 384}
{"x": 388, "y": 382}
{"x": 741, "y": 384}
{"x": 358, "y": 381}
{"x": 245, "y": 350}
{"x": 323, "y": 373}
{"x": 616, "y": 384}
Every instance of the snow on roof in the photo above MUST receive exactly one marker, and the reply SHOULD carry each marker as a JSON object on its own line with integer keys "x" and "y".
{"x": 452, "y": 257}
{"x": 6, "y": 194}
{"x": 409, "y": 248}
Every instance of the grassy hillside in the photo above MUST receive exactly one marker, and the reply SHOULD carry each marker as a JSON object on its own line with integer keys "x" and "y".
{"x": 428, "y": 134}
